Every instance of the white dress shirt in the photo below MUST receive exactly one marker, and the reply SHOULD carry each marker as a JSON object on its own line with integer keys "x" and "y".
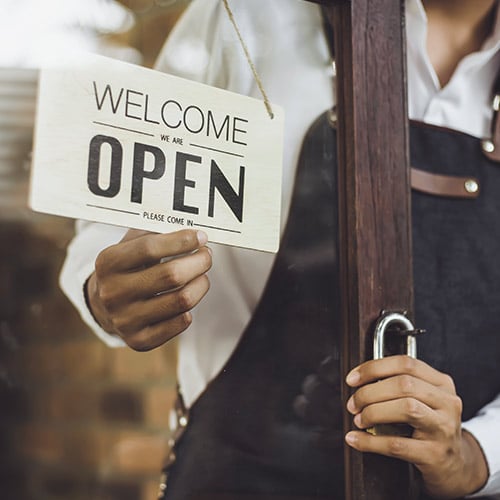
{"x": 286, "y": 42}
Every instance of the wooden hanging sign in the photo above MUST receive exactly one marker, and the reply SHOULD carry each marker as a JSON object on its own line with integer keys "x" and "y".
{"x": 126, "y": 145}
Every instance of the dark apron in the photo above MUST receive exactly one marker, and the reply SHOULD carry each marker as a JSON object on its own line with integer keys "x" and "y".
{"x": 243, "y": 439}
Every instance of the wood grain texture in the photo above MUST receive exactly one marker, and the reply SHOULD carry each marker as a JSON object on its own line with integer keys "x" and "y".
{"x": 374, "y": 202}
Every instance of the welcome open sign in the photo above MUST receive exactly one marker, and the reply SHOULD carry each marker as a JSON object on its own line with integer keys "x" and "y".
{"x": 126, "y": 145}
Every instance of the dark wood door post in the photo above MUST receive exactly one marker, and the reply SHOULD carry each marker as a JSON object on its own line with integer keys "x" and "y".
{"x": 374, "y": 206}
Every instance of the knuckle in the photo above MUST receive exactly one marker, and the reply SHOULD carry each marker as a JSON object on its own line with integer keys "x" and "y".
{"x": 101, "y": 262}
{"x": 406, "y": 385}
{"x": 175, "y": 326}
{"x": 450, "y": 429}
{"x": 441, "y": 453}
{"x": 172, "y": 275}
{"x": 448, "y": 432}
{"x": 120, "y": 327}
{"x": 413, "y": 409}
{"x": 153, "y": 336}
{"x": 148, "y": 249}
{"x": 397, "y": 447}
{"x": 185, "y": 299}
{"x": 457, "y": 404}
{"x": 139, "y": 343}
{"x": 117, "y": 323}
{"x": 107, "y": 297}
{"x": 408, "y": 364}
{"x": 185, "y": 321}
{"x": 123, "y": 325}
{"x": 448, "y": 382}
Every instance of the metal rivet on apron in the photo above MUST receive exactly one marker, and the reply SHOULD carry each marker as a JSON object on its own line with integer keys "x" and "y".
{"x": 163, "y": 486}
{"x": 496, "y": 102}
{"x": 183, "y": 421}
{"x": 471, "y": 186}
{"x": 488, "y": 146}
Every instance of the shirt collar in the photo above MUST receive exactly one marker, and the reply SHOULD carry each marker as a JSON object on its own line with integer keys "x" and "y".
{"x": 417, "y": 34}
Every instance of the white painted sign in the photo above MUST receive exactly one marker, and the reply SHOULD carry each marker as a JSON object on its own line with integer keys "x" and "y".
{"x": 130, "y": 146}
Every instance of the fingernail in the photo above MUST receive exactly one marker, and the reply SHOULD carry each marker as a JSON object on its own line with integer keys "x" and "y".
{"x": 351, "y": 439}
{"x": 357, "y": 420}
{"x": 351, "y": 407}
{"x": 202, "y": 237}
{"x": 353, "y": 377}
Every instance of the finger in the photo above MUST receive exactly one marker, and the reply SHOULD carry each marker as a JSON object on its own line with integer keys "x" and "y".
{"x": 400, "y": 411}
{"x": 411, "y": 450}
{"x": 374, "y": 370}
{"x": 401, "y": 386}
{"x": 169, "y": 275}
{"x": 149, "y": 249}
{"x": 164, "y": 307}
{"x": 133, "y": 234}
{"x": 156, "y": 335}
{"x": 121, "y": 290}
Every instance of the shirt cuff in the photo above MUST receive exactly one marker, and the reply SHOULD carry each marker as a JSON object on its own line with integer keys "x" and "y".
{"x": 72, "y": 281}
{"x": 485, "y": 429}
{"x": 87, "y": 316}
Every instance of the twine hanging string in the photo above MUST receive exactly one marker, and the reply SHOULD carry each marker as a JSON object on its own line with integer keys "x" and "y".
{"x": 256, "y": 76}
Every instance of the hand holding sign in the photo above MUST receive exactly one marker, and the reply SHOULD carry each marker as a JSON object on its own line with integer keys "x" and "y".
{"x": 145, "y": 300}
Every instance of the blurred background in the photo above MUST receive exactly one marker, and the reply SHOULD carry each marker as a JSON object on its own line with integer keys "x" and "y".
{"x": 78, "y": 420}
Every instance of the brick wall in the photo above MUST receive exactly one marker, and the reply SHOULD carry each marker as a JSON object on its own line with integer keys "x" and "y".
{"x": 78, "y": 420}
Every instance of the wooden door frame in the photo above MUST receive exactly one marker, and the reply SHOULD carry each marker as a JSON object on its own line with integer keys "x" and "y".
{"x": 374, "y": 203}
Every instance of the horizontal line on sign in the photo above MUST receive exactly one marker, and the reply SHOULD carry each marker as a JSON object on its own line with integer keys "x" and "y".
{"x": 123, "y": 128}
{"x": 219, "y": 228}
{"x": 114, "y": 209}
{"x": 218, "y": 150}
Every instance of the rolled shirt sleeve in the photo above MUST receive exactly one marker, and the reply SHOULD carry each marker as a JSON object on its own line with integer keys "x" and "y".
{"x": 89, "y": 240}
{"x": 485, "y": 427}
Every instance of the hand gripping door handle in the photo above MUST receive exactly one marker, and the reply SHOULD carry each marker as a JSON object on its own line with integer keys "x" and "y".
{"x": 394, "y": 323}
